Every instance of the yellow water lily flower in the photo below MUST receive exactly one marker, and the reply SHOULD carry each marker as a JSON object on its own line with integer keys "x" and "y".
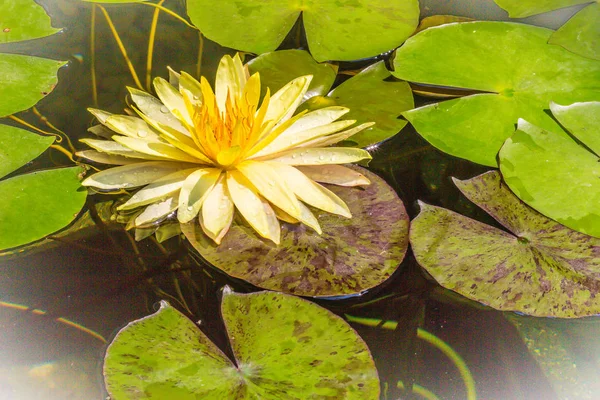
{"x": 206, "y": 153}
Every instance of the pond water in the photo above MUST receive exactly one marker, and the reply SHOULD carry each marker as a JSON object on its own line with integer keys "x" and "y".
{"x": 59, "y": 305}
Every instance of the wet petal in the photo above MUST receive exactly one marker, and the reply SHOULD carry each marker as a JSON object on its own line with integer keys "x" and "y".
{"x": 104, "y": 158}
{"x": 131, "y": 126}
{"x": 284, "y": 102}
{"x": 101, "y": 130}
{"x": 337, "y": 137}
{"x": 172, "y": 99}
{"x": 154, "y": 109}
{"x": 194, "y": 191}
{"x": 157, "y": 211}
{"x": 334, "y": 174}
{"x": 155, "y": 149}
{"x": 191, "y": 85}
{"x": 217, "y": 212}
{"x": 100, "y": 115}
{"x": 230, "y": 80}
{"x": 157, "y": 190}
{"x": 321, "y": 156}
{"x": 310, "y": 192}
{"x": 132, "y": 175}
{"x": 252, "y": 206}
{"x": 114, "y": 148}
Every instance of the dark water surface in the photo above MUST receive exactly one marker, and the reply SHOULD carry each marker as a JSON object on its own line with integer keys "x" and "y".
{"x": 104, "y": 280}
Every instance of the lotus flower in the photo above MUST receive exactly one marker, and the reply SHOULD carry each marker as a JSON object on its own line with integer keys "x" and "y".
{"x": 206, "y": 153}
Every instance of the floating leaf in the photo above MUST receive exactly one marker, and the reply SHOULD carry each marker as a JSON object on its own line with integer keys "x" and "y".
{"x": 284, "y": 348}
{"x": 115, "y": 1}
{"x": 541, "y": 268}
{"x": 525, "y": 8}
{"x": 277, "y": 68}
{"x": 335, "y": 30}
{"x": 37, "y": 204}
{"x": 350, "y": 256}
{"x": 23, "y": 20}
{"x": 18, "y": 147}
{"x": 581, "y": 34}
{"x": 374, "y": 95}
{"x": 437, "y": 20}
{"x": 24, "y": 80}
{"x": 512, "y": 62}
{"x": 554, "y": 174}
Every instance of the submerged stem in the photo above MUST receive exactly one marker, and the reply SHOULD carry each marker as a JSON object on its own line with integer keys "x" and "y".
{"x": 151, "y": 40}
{"x": 93, "y": 55}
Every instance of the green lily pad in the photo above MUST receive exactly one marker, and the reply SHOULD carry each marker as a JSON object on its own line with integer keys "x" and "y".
{"x": 525, "y": 8}
{"x": 18, "y": 147}
{"x": 350, "y": 256}
{"x": 37, "y": 204}
{"x": 513, "y": 63}
{"x": 581, "y": 34}
{"x": 374, "y": 95}
{"x": 284, "y": 348}
{"x": 335, "y": 30}
{"x": 554, "y": 174}
{"x": 277, "y": 68}
{"x": 539, "y": 267}
{"x": 24, "y": 81}
{"x": 23, "y": 20}
{"x": 115, "y": 1}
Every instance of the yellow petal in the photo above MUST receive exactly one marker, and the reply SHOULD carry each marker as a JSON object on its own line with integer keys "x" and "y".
{"x": 252, "y": 206}
{"x": 334, "y": 174}
{"x": 270, "y": 136}
{"x": 230, "y": 80}
{"x": 157, "y": 211}
{"x": 154, "y": 109}
{"x": 310, "y": 192}
{"x": 100, "y": 115}
{"x": 133, "y": 175}
{"x": 157, "y": 190}
{"x": 252, "y": 90}
{"x": 172, "y": 99}
{"x": 167, "y": 231}
{"x": 117, "y": 149}
{"x": 287, "y": 140}
{"x": 101, "y": 130}
{"x": 226, "y": 157}
{"x": 336, "y": 137}
{"x": 182, "y": 142}
{"x": 271, "y": 186}
{"x": 321, "y": 156}
{"x": 131, "y": 126}
{"x": 191, "y": 85}
{"x": 283, "y": 216}
{"x": 194, "y": 191}
{"x": 284, "y": 102}
{"x": 155, "y": 149}
{"x": 104, "y": 158}
{"x": 217, "y": 212}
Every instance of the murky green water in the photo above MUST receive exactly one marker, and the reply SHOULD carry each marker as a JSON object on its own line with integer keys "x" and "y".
{"x": 104, "y": 280}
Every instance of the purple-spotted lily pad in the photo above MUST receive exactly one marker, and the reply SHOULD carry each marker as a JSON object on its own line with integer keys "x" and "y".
{"x": 350, "y": 256}
{"x": 284, "y": 348}
{"x": 539, "y": 267}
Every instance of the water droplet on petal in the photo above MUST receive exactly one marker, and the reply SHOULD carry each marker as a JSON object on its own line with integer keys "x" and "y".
{"x": 190, "y": 208}
{"x": 294, "y": 155}
{"x": 164, "y": 109}
{"x": 321, "y": 157}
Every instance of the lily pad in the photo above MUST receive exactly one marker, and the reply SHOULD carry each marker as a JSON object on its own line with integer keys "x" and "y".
{"x": 525, "y": 8}
{"x": 277, "y": 68}
{"x": 581, "y": 34}
{"x": 18, "y": 147}
{"x": 25, "y": 80}
{"x": 350, "y": 256}
{"x": 37, "y": 204}
{"x": 284, "y": 348}
{"x": 539, "y": 267}
{"x": 335, "y": 30}
{"x": 23, "y": 20}
{"x": 553, "y": 173}
{"x": 512, "y": 63}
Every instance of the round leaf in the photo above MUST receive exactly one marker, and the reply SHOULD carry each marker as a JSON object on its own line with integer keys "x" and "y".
{"x": 581, "y": 34}
{"x": 23, "y": 20}
{"x": 373, "y": 95}
{"x": 554, "y": 175}
{"x": 37, "y": 204}
{"x": 350, "y": 256}
{"x": 24, "y": 80}
{"x": 540, "y": 268}
{"x": 277, "y": 68}
{"x": 335, "y": 30}
{"x": 18, "y": 147}
{"x": 525, "y": 8}
{"x": 511, "y": 61}
{"x": 285, "y": 348}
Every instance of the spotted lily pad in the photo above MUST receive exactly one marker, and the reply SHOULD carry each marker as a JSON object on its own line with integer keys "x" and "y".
{"x": 335, "y": 30}
{"x": 284, "y": 348}
{"x": 518, "y": 73}
{"x": 539, "y": 267}
{"x": 553, "y": 173}
{"x": 372, "y": 95}
{"x": 581, "y": 34}
{"x": 350, "y": 256}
